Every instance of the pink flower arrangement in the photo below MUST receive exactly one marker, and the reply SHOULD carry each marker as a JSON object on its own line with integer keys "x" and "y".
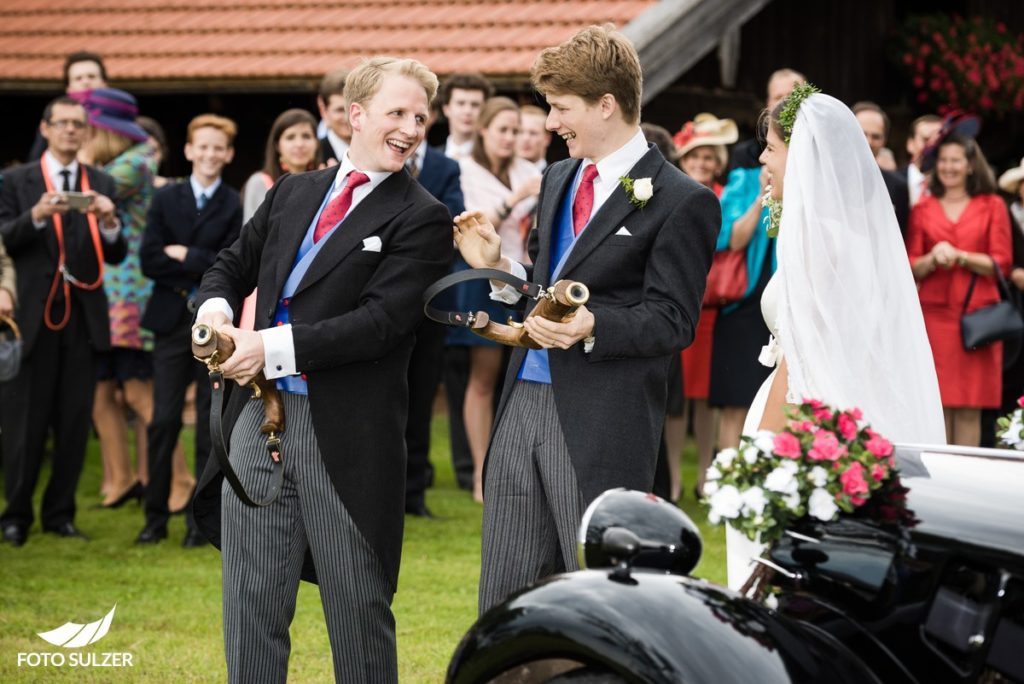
{"x": 822, "y": 463}
{"x": 956, "y": 63}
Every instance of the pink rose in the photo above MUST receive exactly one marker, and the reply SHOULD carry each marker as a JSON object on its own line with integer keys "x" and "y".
{"x": 822, "y": 414}
{"x": 801, "y": 426}
{"x": 813, "y": 403}
{"x": 878, "y": 445}
{"x": 1020, "y": 402}
{"x": 855, "y": 413}
{"x": 878, "y": 472}
{"x": 847, "y": 426}
{"x": 826, "y": 447}
{"x": 857, "y": 500}
{"x": 786, "y": 445}
{"x": 853, "y": 480}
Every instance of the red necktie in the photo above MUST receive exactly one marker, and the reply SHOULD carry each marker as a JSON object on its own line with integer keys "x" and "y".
{"x": 338, "y": 207}
{"x": 583, "y": 203}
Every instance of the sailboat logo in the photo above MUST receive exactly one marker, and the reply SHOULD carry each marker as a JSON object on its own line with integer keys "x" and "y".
{"x": 74, "y": 635}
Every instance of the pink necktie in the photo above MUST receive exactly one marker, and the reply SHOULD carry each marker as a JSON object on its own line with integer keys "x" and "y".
{"x": 583, "y": 203}
{"x": 338, "y": 207}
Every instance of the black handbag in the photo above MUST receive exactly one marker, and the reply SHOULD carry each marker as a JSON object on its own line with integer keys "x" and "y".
{"x": 1000, "y": 321}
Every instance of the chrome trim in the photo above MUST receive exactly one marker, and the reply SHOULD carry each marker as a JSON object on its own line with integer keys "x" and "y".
{"x": 954, "y": 449}
{"x": 777, "y": 568}
{"x": 803, "y": 537}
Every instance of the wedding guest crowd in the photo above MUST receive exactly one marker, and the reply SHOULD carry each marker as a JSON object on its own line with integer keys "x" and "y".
{"x": 117, "y": 326}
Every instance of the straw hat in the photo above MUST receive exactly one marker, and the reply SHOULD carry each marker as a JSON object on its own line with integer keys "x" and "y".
{"x": 706, "y": 130}
{"x": 1011, "y": 180}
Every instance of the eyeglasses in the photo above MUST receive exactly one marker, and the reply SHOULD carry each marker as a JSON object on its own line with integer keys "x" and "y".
{"x": 61, "y": 124}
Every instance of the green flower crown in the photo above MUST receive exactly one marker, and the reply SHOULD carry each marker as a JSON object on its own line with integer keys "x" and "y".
{"x": 787, "y": 117}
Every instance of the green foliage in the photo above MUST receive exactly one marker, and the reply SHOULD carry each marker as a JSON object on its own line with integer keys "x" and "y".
{"x": 787, "y": 117}
{"x": 169, "y": 599}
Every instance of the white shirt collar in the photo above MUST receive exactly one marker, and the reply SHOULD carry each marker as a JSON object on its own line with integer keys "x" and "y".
{"x": 54, "y": 167}
{"x": 198, "y": 189}
{"x": 346, "y": 167}
{"x": 457, "y": 150}
{"x": 339, "y": 146}
{"x": 619, "y": 162}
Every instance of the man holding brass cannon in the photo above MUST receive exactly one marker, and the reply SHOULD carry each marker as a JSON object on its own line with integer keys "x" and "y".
{"x": 341, "y": 258}
{"x": 585, "y": 413}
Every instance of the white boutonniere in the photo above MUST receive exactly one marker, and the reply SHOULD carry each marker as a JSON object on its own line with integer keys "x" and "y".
{"x": 638, "y": 190}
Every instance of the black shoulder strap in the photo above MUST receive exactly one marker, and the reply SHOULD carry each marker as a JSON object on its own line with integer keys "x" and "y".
{"x": 465, "y": 318}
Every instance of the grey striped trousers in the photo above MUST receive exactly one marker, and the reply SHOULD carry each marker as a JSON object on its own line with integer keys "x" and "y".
{"x": 263, "y": 551}
{"x": 532, "y": 502}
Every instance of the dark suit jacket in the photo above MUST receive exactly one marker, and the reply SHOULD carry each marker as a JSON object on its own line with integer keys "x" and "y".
{"x": 353, "y": 317}
{"x": 174, "y": 220}
{"x": 745, "y": 155}
{"x": 441, "y": 178}
{"x": 899, "y": 193}
{"x": 327, "y": 151}
{"x": 34, "y": 251}
{"x": 646, "y": 291}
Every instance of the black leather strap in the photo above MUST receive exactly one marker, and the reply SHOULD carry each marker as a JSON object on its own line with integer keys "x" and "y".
{"x": 220, "y": 449}
{"x": 465, "y": 318}
{"x": 1004, "y": 289}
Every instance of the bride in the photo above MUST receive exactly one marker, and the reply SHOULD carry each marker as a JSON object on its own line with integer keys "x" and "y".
{"x": 842, "y": 307}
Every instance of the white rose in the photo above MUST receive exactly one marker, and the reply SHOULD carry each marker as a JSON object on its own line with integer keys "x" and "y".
{"x": 751, "y": 454}
{"x": 789, "y": 465}
{"x": 770, "y": 602}
{"x": 725, "y": 457}
{"x": 712, "y": 473}
{"x": 754, "y": 500}
{"x": 643, "y": 189}
{"x": 821, "y": 505}
{"x": 818, "y": 476}
{"x": 764, "y": 440}
{"x": 792, "y": 500}
{"x": 780, "y": 480}
{"x": 710, "y": 487}
{"x": 726, "y": 503}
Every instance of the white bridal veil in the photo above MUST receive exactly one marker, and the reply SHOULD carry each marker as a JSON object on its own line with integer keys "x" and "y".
{"x": 849, "y": 318}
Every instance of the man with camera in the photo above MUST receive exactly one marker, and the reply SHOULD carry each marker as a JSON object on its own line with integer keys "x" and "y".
{"x": 58, "y": 225}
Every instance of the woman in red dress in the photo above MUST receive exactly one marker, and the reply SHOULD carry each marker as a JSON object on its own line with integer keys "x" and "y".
{"x": 955, "y": 234}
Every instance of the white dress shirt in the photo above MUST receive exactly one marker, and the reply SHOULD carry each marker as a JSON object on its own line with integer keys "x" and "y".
{"x": 53, "y": 167}
{"x": 339, "y": 146}
{"x": 198, "y": 189}
{"x": 457, "y": 151}
{"x": 278, "y": 343}
{"x": 915, "y": 183}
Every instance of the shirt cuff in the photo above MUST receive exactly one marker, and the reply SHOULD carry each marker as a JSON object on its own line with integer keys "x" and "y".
{"x": 278, "y": 351}
{"x": 588, "y": 344}
{"x": 216, "y": 304}
{"x": 506, "y": 293}
{"x": 110, "y": 234}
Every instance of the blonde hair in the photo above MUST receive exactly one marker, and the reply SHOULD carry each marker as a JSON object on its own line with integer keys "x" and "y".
{"x": 598, "y": 60}
{"x": 107, "y": 145}
{"x": 365, "y": 80}
{"x": 221, "y": 123}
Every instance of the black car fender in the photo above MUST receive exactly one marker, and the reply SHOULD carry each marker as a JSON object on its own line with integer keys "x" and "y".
{"x": 650, "y": 628}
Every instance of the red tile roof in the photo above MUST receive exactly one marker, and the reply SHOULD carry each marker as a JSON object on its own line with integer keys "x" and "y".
{"x": 152, "y": 41}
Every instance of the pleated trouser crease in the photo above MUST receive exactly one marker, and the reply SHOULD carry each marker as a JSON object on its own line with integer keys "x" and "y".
{"x": 532, "y": 501}
{"x": 263, "y": 551}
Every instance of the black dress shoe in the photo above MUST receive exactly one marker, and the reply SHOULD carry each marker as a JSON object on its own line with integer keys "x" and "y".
{"x": 15, "y": 535}
{"x": 152, "y": 534}
{"x": 194, "y": 539}
{"x": 134, "y": 492}
{"x": 419, "y": 509}
{"x": 66, "y": 530}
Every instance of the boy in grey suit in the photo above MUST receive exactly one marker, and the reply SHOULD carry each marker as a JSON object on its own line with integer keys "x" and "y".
{"x": 585, "y": 413}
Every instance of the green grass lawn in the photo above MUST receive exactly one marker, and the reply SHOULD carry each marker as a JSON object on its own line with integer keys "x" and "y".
{"x": 168, "y": 598}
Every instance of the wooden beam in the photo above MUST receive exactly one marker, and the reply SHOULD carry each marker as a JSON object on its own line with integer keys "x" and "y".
{"x": 674, "y": 35}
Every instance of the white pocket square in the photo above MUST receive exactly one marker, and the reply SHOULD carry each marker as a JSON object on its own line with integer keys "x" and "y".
{"x": 372, "y": 244}
{"x": 623, "y": 231}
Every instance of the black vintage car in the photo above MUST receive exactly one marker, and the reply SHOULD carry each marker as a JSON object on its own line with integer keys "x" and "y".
{"x": 925, "y": 584}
